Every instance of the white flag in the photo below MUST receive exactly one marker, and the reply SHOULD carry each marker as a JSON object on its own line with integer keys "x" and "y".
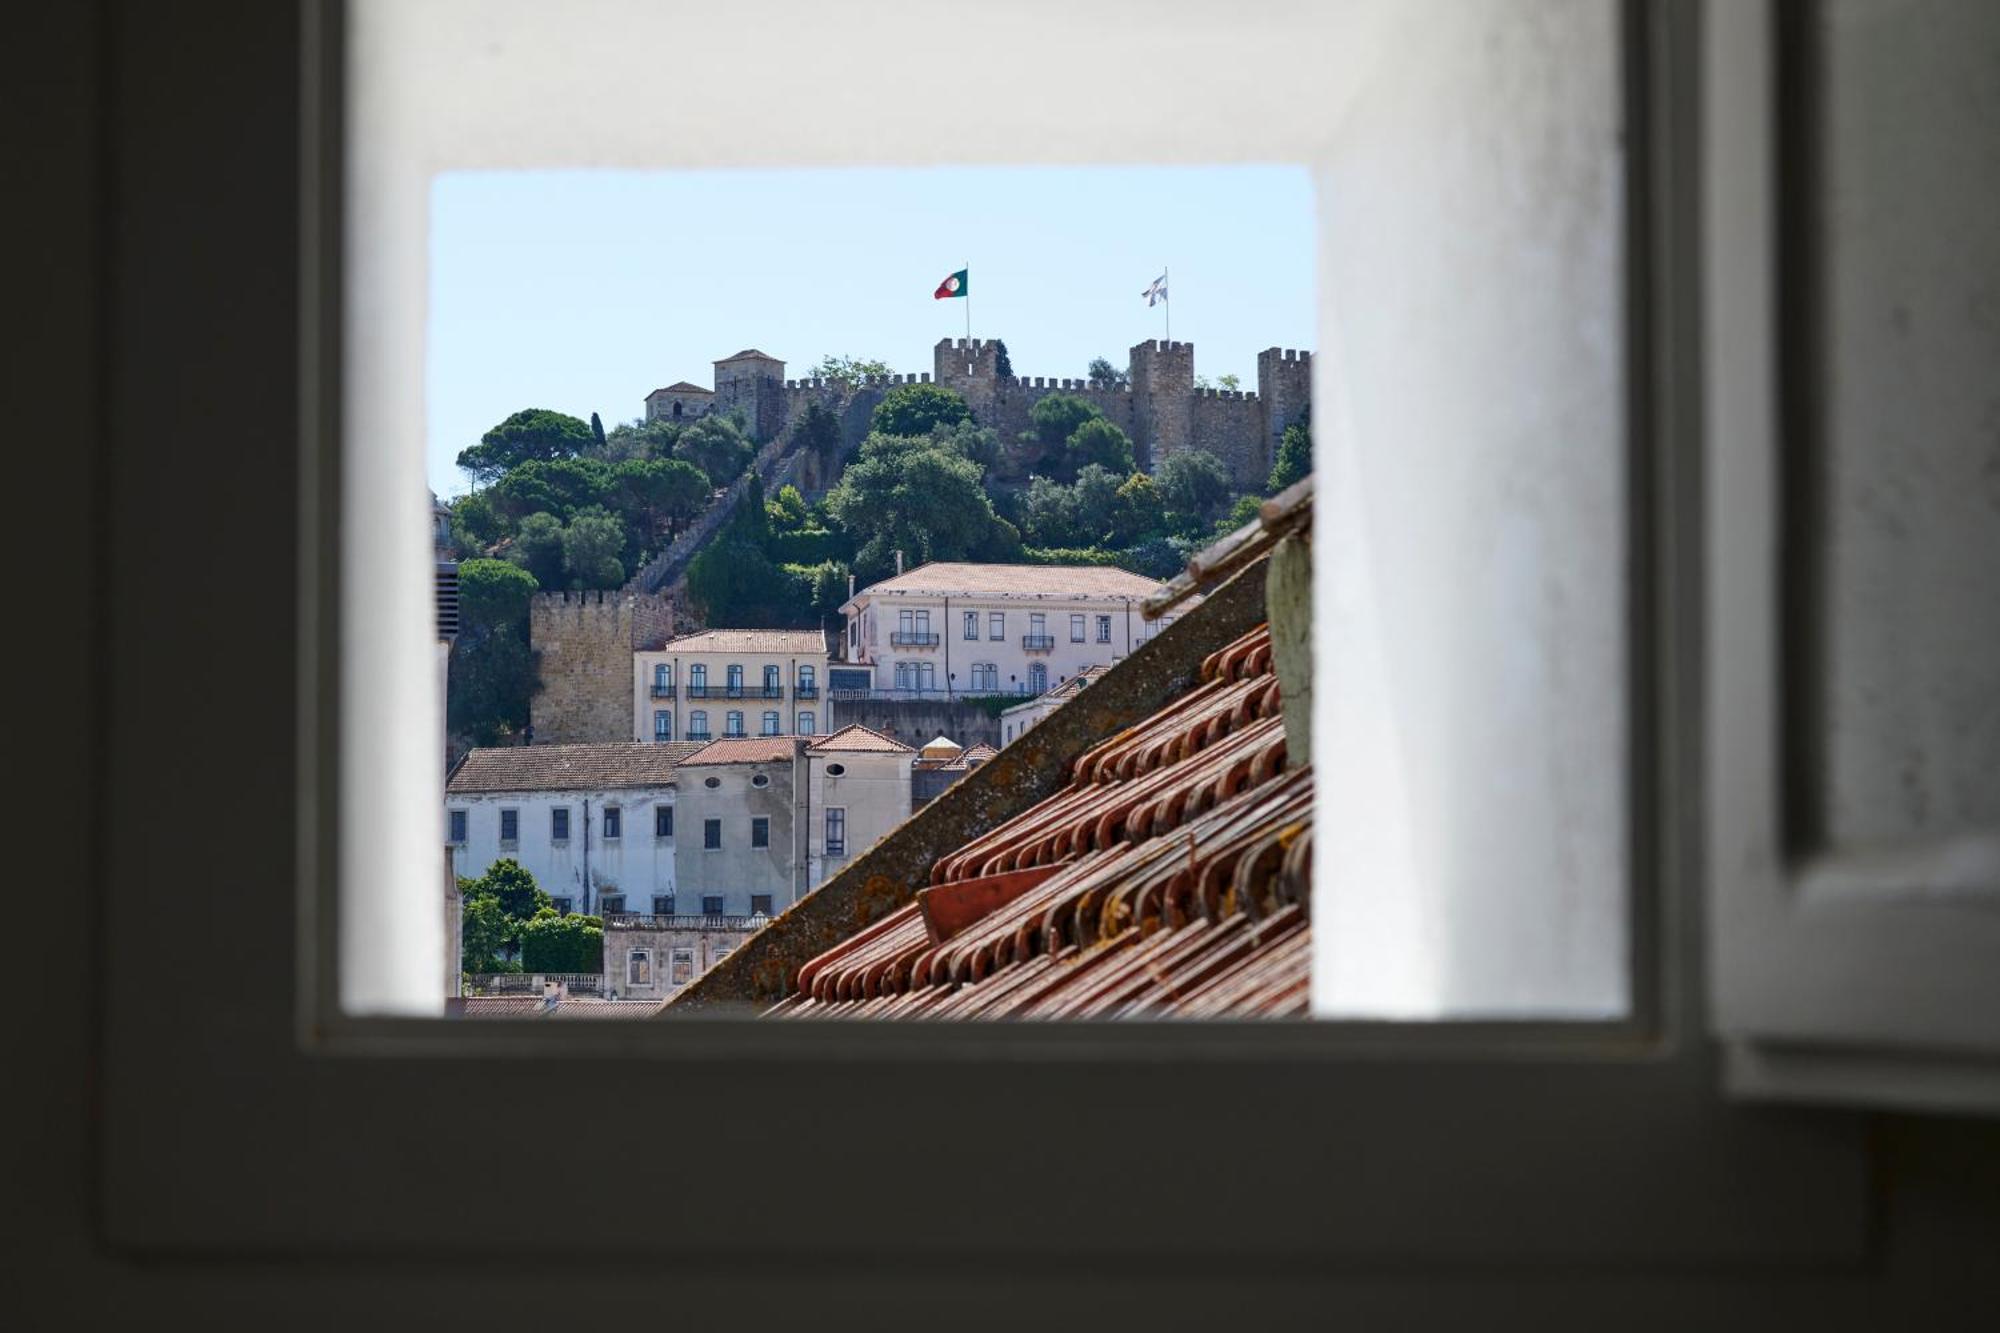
{"x": 1157, "y": 292}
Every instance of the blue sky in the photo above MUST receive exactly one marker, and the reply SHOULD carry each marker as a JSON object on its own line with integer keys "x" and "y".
{"x": 583, "y": 291}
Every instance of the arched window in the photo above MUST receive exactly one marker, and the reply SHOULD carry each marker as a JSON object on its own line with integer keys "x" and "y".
{"x": 1038, "y": 679}
{"x": 806, "y": 722}
{"x": 677, "y": 407}
{"x": 770, "y": 724}
{"x": 698, "y": 725}
{"x": 732, "y": 723}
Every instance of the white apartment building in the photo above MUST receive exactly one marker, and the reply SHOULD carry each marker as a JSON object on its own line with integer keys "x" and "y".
{"x": 950, "y": 629}
{"x": 1019, "y": 718}
{"x": 594, "y": 824}
{"x": 858, "y": 788}
{"x": 729, "y": 683}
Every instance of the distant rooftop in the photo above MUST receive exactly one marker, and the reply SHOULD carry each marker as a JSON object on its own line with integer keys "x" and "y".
{"x": 751, "y": 354}
{"x": 855, "y": 738}
{"x": 810, "y": 642}
{"x": 589, "y": 767}
{"x": 1064, "y": 582}
{"x": 1065, "y": 690}
{"x": 742, "y": 750}
{"x": 682, "y": 387}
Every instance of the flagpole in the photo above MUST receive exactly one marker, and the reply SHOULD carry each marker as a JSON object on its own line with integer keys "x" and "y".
{"x": 968, "y": 303}
{"x": 1167, "y": 300}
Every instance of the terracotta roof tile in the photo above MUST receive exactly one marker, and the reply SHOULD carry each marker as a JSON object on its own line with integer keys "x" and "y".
{"x": 596, "y": 766}
{"x": 752, "y": 352}
{"x": 1170, "y": 878}
{"x": 1065, "y": 582}
{"x": 682, "y": 387}
{"x": 806, "y": 642}
{"x": 743, "y": 750}
{"x": 855, "y": 738}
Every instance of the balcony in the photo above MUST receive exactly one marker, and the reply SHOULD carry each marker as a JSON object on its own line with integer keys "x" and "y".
{"x": 1038, "y": 643}
{"x": 704, "y": 692}
{"x": 701, "y": 735}
{"x": 772, "y": 691}
{"x": 663, "y": 691}
{"x": 732, "y": 691}
{"x": 913, "y": 639}
{"x": 685, "y": 921}
{"x": 806, "y": 692}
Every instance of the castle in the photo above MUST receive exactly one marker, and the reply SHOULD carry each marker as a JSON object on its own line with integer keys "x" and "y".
{"x": 1160, "y": 408}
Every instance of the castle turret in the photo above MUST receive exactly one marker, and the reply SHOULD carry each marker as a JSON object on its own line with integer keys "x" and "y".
{"x": 754, "y": 383}
{"x": 585, "y": 642}
{"x": 971, "y": 368}
{"x": 1162, "y": 400}
{"x": 1284, "y": 385}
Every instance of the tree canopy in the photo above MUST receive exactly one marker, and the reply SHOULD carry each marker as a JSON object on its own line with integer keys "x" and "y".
{"x": 1097, "y": 443}
{"x": 914, "y": 495}
{"x": 853, "y": 369}
{"x": 534, "y": 434}
{"x": 492, "y": 668}
{"x": 915, "y": 409}
{"x": 494, "y": 912}
{"x": 1056, "y": 417}
{"x": 1295, "y": 454}
{"x": 716, "y": 445}
{"x": 551, "y": 942}
{"x": 1196, "y": 488}
{"x": 1103, "y": 375}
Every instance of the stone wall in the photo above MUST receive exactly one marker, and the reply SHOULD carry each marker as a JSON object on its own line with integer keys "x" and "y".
{"x": 1230, "y": 424}
{"x": 914, "y": 721}
{"x": 585, "y": 641}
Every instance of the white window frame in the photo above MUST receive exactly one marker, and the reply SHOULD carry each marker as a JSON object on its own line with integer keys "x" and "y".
{"x": 202, "y": 1150}
{"x": 634, "y": 957}
{"x": 807, "y": 721}
{"x": 1076, "y": 627}
{"x": 971, "y": 627}
{"x": 996, "y": 626}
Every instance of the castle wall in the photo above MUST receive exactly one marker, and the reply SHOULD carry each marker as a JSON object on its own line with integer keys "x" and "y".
{"x": 1230, "y": 425}
{"x": 1284, "y": 381}
{"x": 586, "y": 641}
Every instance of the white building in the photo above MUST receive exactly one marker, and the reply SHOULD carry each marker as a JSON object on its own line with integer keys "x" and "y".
{"x": 594, "y": 824}
{"x": 1015, "y": 720}
{"x": 727, "y": 683}
{"x": 680, "y": 402}
{"x": 858, "y": 788}
{"x": 947, "y": 630}
{"x": 740, "y": 853}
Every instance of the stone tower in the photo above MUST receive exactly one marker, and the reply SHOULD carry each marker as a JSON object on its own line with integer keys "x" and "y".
{"x": 971, "y": 368}
{"x": 1162, "y": 400}
{"x": 586, "y": 641}
{"x": 1284, "y": 384}
{"x": 753, "y": 382}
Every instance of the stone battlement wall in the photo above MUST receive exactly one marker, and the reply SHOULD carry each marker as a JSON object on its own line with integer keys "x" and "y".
{"x": 585, "y": 641}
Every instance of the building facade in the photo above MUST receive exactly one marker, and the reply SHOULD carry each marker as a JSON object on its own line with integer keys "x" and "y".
{"x": 594, "y": 824}
{"x": 731, "y": 683}
{"x": 940, "y": 763}
{"x": 948, "y": 630}
{"x": 1019, "y": 718}
{"x": 584, "y": 643}
{"x": 739, "y": 854}
{"x": 858, "y": 789}
{"x": 649, "y": 957}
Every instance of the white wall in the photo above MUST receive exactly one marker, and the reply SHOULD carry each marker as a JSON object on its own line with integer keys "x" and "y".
{"x": 636, "y": 863}
{"x": 874, "y": 789}
{"x": 753, "y": 705}
{"x": 953, "y": 658}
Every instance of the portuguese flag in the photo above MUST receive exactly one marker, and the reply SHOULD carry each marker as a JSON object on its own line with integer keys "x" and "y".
{"x": 951, "y": 286}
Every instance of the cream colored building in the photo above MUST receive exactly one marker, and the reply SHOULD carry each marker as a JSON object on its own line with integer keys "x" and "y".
{"x": 1019, "y": 718}
{"x": 726, "y": 683}
{"x": 858, "y": 789}
{"x": 949, "y": 630}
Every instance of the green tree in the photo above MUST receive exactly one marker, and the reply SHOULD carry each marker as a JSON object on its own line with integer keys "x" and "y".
{"x": 551, "y": 942}
{"x": 852, "y": 369}
{"x": 979, "y": 443}
{"x": 1196, "y": 488}
{"x": 787, "y": 512}
{"x": 1156, "y": 558}
{"x": 1141, "y": 513}
{"x": 911, "y": 495}
{"x": 591, "y": 546}
{"x": 1048, "y": 513}
{"x": 475, "y": 524}
{"x": 561, "y": 487}
{"x": 1295, "y": 454}
{"x": 597, "y": 430}
{"x": 829, "y": 588}
{"x": 1003, "y": 365}
{"x": 716, "y": 445}
{"x": 534, "y": 434}
{"x": 1245, "y": 510}
{"x": 1097, "y": 442}
{"x": 1103, "y": 375}
{"x": 513, "y": 886}
{"x": 483, "y": 933}
{"x": 1055, "y": 418}
{"x": 538, "y": 548}
{"x": 656, "y": 497}
{"x": 640, "y": 439}
{"x": 817, "y": 430}
{"x": 492, "y": 668}
{"x": 1096, "y": 503}
{"x": 915, "y": 409}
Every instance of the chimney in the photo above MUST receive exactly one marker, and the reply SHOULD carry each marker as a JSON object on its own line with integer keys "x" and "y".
{"x": 899, "y": 562}
{"x": 850, "y": 585}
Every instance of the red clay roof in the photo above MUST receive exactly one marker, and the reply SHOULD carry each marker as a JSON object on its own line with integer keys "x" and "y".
{"x": 1171, "y": 878}
{"x": 682, "y": 387}
{"x": 855, "y": 738}
{"x": 1063, "y": 582}
{"x": 591, "y": 767}
{"x": 743, "y": 750}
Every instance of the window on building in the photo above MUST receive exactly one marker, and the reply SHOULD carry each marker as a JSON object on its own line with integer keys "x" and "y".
{"x": 996, "y": 625}
{"x": 771, "y": 724}
{"x": 711, "y": 834}
{"x": 639, "y": 967}
{"x": 735, "y": 681}
{"x": 663, "y": 725}
{"x": 711, "y": 904}
{"x": 1076, "y": 629}
{"x": 613, "y": 819}
{"x": 1038, "y": 622}
{"x": 697, "y": 723}
{"x": 808, "y": 682}
{"x": 760, "y": 904}
{"x": 611, "y": 902}
{"x": 761, "y": 781}
{"x": 972, "y": 624}
{"x": 663, "y": 677}
{"x": 806, "y": 722}
{"x": 924, "y": 623}
{"x": 985, "y": 676}
{"x": 906, "y": 675}
{"x": 1038, "y": 678}
{"x": 559, "y": 824}
{"x": 455, "y": 826}
{"x": 732, "y": 723}
{"x": 1104, "y": 629}
{"x": 760, "y": 831}
{"x": 663, "y": 821}
{"x": 836, "y": 831}
{"x": 663, "y": 904}
{"x": 682, "y": 965}
{"x": 773, "y": 686}
{"x": 510, "y": 826}
{"x": 563, "y": 906}
{"x": 697, "y": 680}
